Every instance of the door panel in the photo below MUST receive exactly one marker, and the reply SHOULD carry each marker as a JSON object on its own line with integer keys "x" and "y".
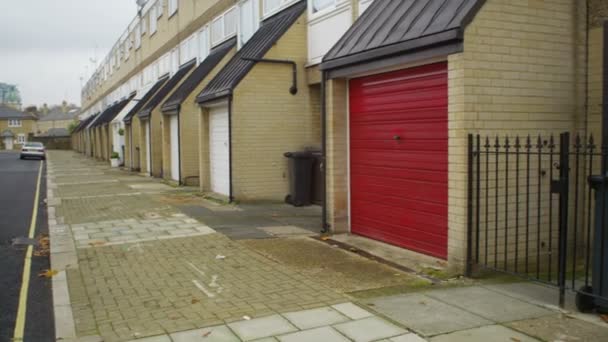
{"x": 174, "y": 131}
{"x": 219, "y": 151}
{"x": 399, "y": 158}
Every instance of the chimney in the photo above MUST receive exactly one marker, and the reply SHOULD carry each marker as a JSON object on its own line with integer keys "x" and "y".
{"x": 45, "y": 109}
{"x": 64, "y": 106}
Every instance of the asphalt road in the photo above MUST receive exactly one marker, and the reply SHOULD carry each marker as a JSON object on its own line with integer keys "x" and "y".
{"x": 18, "y": 179}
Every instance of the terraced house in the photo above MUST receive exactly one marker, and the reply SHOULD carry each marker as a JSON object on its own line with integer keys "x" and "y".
{"x": 387, "y": 90}
{"x": 15, "y": 127}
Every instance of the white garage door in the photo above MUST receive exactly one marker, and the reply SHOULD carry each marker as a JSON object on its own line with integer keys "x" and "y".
{"x": 174, "y": 131}
{"x": 148, "y": 148}
{"x": 219, "y": 149}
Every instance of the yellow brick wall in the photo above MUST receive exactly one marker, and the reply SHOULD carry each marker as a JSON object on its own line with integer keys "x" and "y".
{"x": 203, "y": 146}
{"x": 27, "y": 127}
{"x": 520, "y": 73}
{"x": 43, "y": 126}
{"x": 268, "y": 121}
{"x": 337, "y": 154}
{"x": 596, "y": 55}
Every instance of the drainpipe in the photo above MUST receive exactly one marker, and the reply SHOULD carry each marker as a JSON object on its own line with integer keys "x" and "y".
{"x": 179, "y": 148}
{"x": 325, "y": 224}
{"x": 230, "y": 196}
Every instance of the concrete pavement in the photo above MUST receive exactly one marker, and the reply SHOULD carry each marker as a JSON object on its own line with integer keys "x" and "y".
{"x": 133, "y": 265}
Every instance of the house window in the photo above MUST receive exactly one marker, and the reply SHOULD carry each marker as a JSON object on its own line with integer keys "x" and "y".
{"x": 143, "y": 26}
{"x": 159, "y": 8}
{"x": 21, "y": 139}
{"x": 319, "y": 5}
{"x": 363, "y": 5}
{"x": 173, "y": 4}
{"x": 153, "y": 20}
{"x": 248, "y": 20}
{"x": 137, "y": 37}
{"x": 203, "y": 44}
{"x": 273, "y": 6}
{"x": 224, "y": 26}
{"x": 188, "y": 49}
{"x": 14, "y": 123}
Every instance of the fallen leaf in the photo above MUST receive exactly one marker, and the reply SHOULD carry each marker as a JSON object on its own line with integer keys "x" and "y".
{"x": 515, "y": 339}
{"x": 325, "y": 238}
{"x": 195, "y": 300}
{"x": 97, "y": 243}
{"x": 604, "y": 318}
{"x": 48, "y": 273}
{"x": 207, "y": 333}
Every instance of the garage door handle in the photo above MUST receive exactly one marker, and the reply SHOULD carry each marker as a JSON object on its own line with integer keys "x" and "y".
{"x": 396, "y": 137}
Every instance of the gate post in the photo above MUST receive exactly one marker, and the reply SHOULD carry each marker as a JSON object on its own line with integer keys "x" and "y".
{"x": 564, "y": 173}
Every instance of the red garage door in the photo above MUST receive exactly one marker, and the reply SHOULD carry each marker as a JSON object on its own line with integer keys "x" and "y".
{"x": 399, "y": 158}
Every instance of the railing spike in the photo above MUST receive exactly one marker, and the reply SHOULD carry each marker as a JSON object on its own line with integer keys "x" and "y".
{"x": 517, "y": 144}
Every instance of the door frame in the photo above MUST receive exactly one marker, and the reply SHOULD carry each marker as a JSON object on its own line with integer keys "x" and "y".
{"x": 348, "y": 157}
{"x": 228, "y": 106}
{"x": 178, "y": 156}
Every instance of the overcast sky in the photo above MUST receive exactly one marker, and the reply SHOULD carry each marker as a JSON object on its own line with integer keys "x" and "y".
{"x": 46, "y": 45}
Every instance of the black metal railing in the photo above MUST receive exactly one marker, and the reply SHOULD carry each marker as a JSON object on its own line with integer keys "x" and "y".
{"x": 532, "y": 211}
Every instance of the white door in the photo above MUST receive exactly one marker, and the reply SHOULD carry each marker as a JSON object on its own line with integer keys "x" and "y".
{"x": 148, "y": 148}
{"x": 174, "y": 132}
{"x": 219, "y": 150}
{"x": 8, "y": 143}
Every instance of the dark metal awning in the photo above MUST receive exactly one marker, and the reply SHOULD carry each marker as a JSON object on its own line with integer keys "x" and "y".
{"x": 174, "y": 102}
{"x": 146, "y": 111}
{"x": 110, "y": 113}
{"x": 270, "y": 31}
{"x": 391, "y": 28}
{"x": 145, "y": 98}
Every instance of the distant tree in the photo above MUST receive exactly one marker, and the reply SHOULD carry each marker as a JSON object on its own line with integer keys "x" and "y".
{"x": 10, "y": 95}
{"x": 72, "y": 126}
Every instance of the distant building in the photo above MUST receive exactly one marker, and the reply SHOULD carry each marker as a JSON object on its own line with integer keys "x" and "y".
{"x": 56, "y": 117}
{"x": 10, "y": 96}
{"x": 15, "y": 127}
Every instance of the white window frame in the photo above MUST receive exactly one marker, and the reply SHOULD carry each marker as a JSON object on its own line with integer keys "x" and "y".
{"x": 160, "y": 8}
{"x": 153, "y": 20}
{"x": 268, "y": 12}
{"x": 365, "y": 4}
{"x": 14, "y": 123}
{"x": 137, "y": 34}
{"x": 220, "y": 19}
{"x": 329, "y": 8}
{"x": 203, "y": 43}
{"x": 21, "y": 138}
{"x": 173, "y": 6}
{"x": 255, "y": 17}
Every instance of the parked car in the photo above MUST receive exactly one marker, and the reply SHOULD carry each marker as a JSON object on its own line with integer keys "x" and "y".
{"x": 33, "y": 150}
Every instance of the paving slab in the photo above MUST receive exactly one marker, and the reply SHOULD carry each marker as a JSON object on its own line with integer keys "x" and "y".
{"x": 425, "y": 315}
{"x": 213, "y": 334}
{"x": 325, "y": 334}
{"x": 352, "y": 311}
{"x": 561, "y": 328}
{"x": 369, "y": 329}
{"x": 494, "y": 333}
{"x": 262, "y": 327}
{"x": 534, "y": 293}
{"x": 407, "y": 338}
{"x": 489, "y": 304}
{"x": 314, "y": 318}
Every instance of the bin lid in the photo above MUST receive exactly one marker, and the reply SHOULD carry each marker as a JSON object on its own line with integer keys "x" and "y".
{"x": 300, "y": 155}
{"x": 596, "y": 181}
